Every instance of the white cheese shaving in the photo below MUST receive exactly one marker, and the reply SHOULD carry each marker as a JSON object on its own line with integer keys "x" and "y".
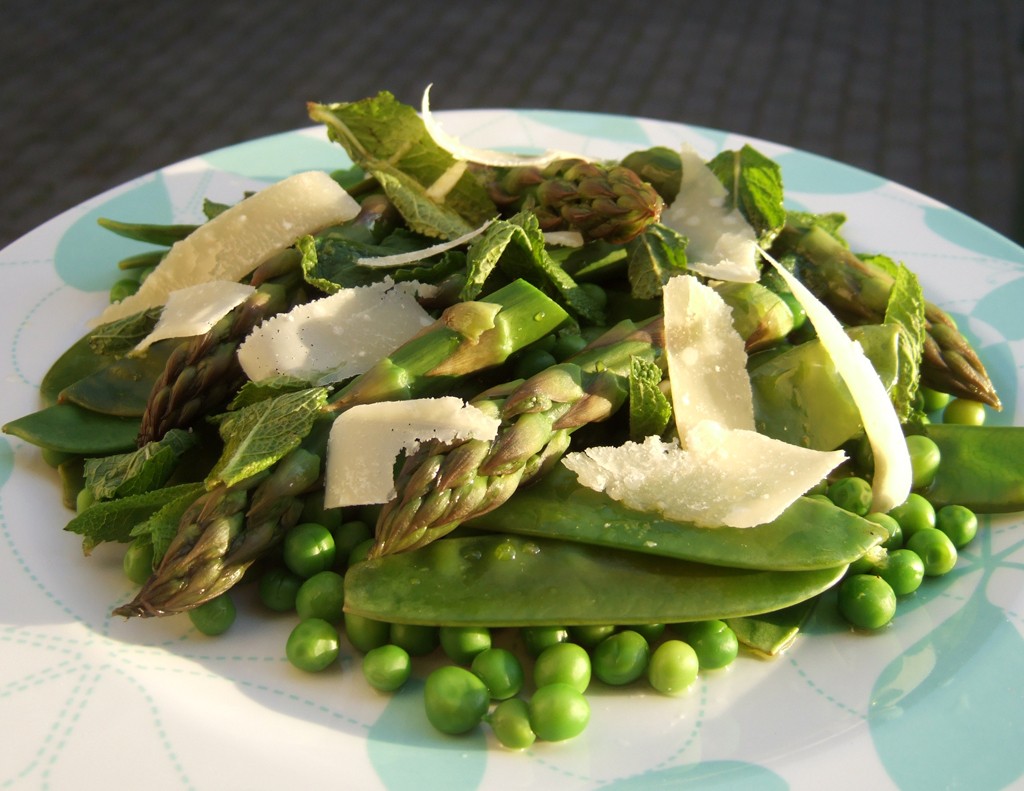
{"x": 482, "y": 156}
{"x": 401, "y": 259}
{"x": 564, "y": 238}
{"x": 444, "y": 183}
{"x": 722, "y": 244}
{"x": 893, "y": 475}
{"x": 365, "y": 441}
{"x": 195, "y": 309}
{"x": 721, "y": 472}
{"x": 235, "y": 242}
{"x": 707, "y": 362}
{"x": 729, "y": 477}
{"x": 335, "y": 337}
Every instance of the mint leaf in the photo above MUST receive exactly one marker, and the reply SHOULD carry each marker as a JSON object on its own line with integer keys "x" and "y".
{"x": 140, "y": 471}
{"x": 906, "y": 309}
{"x": 423, "y": 214}
{"x": 122, "y": 335}
{"x": 653, "y": 257}
{"x": 517, "y": 247}
{"x": 649, "y": 408}
{"x": 804, "y": 220}
{"x": 254, "y": 392}
{"x": 256, "y": 436}
{"x": 162, "y": 526}
{"x": 114, "y": 520}
{"x": 382, "y": 135}
{"x": 755, "y": 188}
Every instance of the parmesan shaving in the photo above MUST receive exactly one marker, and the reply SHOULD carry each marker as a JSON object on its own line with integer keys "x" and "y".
{"x": 707, "y": 362}
{"x": 366, "y": 439}
{"x": 335, "y": 337}
{"x": 564, "y": 238}
{"x": 481, "y": 156}
{"x": 235, "y": 242}
{"x": 722, "y": 244}
{"x": 439, "y": 190}
{"x": 401, "y": 259}
{"x": 195, "y": 309}
{"x": 893, "y": 475}
{"x": 723, "y": 477}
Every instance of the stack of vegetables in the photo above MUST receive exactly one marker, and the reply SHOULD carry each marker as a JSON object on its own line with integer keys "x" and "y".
{"x": 446, "y": 391}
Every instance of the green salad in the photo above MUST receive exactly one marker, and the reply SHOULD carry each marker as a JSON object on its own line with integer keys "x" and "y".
{"x": 556, "y": 420}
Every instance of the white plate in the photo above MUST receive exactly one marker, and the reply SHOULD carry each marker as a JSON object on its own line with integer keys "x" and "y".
{"x": 87, "y": 701}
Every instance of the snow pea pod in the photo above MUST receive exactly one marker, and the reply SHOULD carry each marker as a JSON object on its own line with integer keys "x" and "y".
{"x": 981, "y": 467}
{"x": 810, "y": 534}
{"x": 496, "y": 580}
{"x": 121, "y": 387}
{"x": 800, "y": 398}
{"x": 69, "y": 428}
{"x": 78, "y": 361}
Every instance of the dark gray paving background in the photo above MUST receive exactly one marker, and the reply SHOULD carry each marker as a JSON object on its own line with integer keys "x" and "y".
{"x": 929, "y": 94}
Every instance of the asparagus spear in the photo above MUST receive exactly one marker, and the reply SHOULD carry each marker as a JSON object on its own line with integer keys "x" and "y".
{"x": 611, "y": 203}
{"x": 445, "y": 483}
{"x": 227, "y": 528}
{"x": 858, "y": 293}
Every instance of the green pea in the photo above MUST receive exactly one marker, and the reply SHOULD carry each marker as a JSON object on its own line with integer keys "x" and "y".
{"x": 462, "y": 643}
{"x": 563, "y": 663}
{"x": 595, "y": 293}
{"x": 347, "y": 536}
{"x": 915, "y": 513}
{"x": 510, "y": 722}
{"x": 365, "y": 633}
{"x": 651, "y": 632}
{"x": 866, "y": 601}
{"x": 964, "y": 412}
{"x": 673, "y": 667}
{"x": 123, "y": 288}
{"x": 621, "y": 658}
{"x": 308, "y": 548}
{"x": 455, "y": 700}
{"x": 924, "y": 459}
{"x": 533, "y": 361}
{"x": 215, "y": 616}
{"x": 387, "y": 667}
{"x": 313, "y": 510}
{"x": 590, "y": 635}
{"x": 537, "y": 638}
{"x": 138, "y": 561}
{"x": 799, "y": 314}
{"x": 895, "y": 539}
{"x": 937, "y": 552}
{"x": 957, "y": 522}
{"x": 417, "y": 639}
{"x": 321, "y": 596}
{"x": 558, "y": 712}
{"x": 851, "y": 494}
{"x": 501, "y": 672}
{"x": 360, "y": 551}
{"x": 313, "y": 645}
{"x": 903, "y": 570}
{"x": 933, "y": 400}
{"x": 715, "y": 643}
{"x": 84, "y": 499}
{"x": 278, "y": 589}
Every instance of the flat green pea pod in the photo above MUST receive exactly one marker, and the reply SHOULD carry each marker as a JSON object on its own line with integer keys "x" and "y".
{"x": 800, "y": 398}
{"x": 121, "y": 387}
{"x": 495, "y": 580}
{"x": 68, "y": 428}
{"x": 810, "y": 534}
{"x": 980, "y": 467}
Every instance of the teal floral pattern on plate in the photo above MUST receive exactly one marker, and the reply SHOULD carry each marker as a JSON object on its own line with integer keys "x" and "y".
{"x": 933, "y": 701}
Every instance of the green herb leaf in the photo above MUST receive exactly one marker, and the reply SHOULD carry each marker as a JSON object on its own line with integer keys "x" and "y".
{"x": 653, "y": 257}
{"x": 649, "y": 408}
{"x": 255, "y": 392}
{"x": 258, "y": 435}
{"x": 517, "y": 247}
{"x": 141, "y": 471}
{"x": 755, "y": 188}
{"x": 114, "y": 520}
{"x": 384, "y": 136}
{"x": 122, "y": 335}
{"x": 162, "y": 525}
{"x": 423, "y": 214}
{"x": 906, "y": 309}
